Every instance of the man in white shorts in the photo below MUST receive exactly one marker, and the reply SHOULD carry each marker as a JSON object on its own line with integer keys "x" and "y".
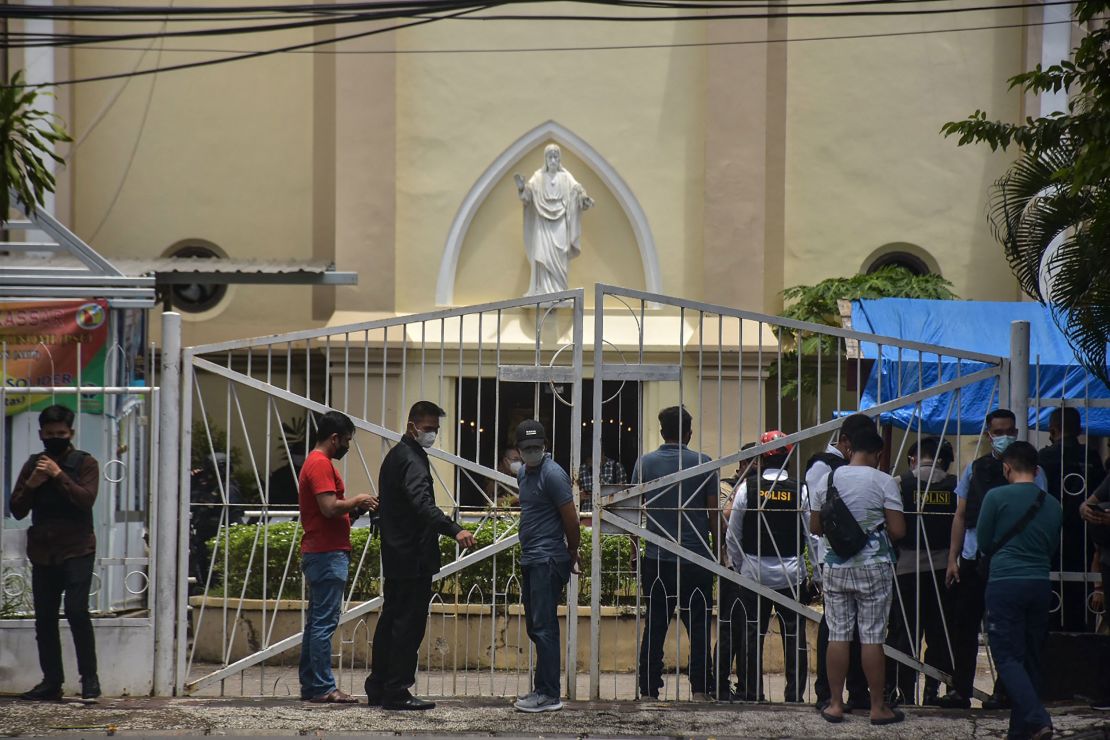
{"x": 859, "y": 589}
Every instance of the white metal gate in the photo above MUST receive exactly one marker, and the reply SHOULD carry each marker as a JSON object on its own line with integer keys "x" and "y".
{"x": 253, "y": 401}
{"x": 804, "y": 394}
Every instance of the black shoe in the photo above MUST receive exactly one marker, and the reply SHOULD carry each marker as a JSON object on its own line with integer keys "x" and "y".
{"x": 954, "y": 700}
{"x": 996, "y": 701}
{"x": 43, "y": 692}
{"x": 90, "y": 687}
{"x": 407, "y": 703}
{"x": 374, "y": 692}
{"x": 930, "y": 699}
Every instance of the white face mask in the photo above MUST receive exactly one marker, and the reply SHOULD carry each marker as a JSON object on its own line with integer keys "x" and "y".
{"x": 515, "y": 466}
{"x": 533, "y": 455}
{"x": 426, "y": 439}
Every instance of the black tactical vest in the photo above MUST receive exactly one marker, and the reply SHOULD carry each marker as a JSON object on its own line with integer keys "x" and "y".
{"x": 51, "y": 501}
{"x": 937, "y": 507}
{"x": 833, "y": 461}
{"x": 986, "y": 473}
{"x": 772, "y": 522}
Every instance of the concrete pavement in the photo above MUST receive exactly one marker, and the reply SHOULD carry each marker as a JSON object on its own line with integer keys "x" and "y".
{"x": 494, "y": 717}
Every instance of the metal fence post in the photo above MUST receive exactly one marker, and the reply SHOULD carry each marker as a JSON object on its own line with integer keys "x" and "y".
{"x": 1019, "y": 375}
{"x": 165, "y": 507}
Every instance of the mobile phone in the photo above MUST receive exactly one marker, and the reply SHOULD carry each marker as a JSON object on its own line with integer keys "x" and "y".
{"x": 1103, "y": 506}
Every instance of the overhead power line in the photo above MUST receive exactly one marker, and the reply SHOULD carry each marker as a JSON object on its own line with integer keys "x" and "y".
{"x": 412, "y": 14}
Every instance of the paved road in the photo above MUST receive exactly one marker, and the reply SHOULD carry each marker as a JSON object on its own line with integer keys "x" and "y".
{"x": 485, "y": 718}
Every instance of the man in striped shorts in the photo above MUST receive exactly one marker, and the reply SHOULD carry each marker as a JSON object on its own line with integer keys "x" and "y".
{"x": 858, "y": 589}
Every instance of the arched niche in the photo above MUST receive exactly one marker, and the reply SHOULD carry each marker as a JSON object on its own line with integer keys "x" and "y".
{"x": 502, "y": 168}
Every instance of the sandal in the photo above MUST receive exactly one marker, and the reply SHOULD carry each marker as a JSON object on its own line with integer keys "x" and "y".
{"x": 831, "y": 717}
{"x": 898, "y": 717}
{"x": 334, "y": 697}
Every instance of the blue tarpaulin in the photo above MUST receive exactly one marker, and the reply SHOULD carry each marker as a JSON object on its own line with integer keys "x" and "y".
{"x": 972, "y": 326}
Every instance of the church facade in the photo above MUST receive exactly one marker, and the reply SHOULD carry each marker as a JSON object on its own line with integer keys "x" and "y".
{"x": 727, "y": 160}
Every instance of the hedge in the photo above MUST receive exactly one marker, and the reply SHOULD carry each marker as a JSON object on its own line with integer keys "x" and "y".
{"x": 281, "y": 543}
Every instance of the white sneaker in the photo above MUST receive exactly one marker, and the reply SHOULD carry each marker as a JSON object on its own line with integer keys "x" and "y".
{"x": 539, "y": 703}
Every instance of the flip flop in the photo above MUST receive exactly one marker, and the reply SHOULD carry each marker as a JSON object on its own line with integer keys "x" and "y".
{"x": 334, "y": 697}
{"x": 898, "y": 717}
{"x": 831, "y": 717}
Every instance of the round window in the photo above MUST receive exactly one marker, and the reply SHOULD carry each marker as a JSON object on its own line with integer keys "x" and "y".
{"x": 200, "y": 296}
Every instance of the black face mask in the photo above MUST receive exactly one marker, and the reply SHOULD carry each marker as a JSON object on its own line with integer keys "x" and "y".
{"x": 342, "y": 452}
{"x": 55, "y": 445}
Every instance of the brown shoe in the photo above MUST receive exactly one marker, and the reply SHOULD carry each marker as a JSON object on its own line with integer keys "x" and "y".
{"x": 334, "y": 697}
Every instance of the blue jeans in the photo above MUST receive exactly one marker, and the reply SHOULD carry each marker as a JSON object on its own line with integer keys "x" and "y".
{"x": 542, "y": 590}
{"x": 1017, "y": 624}
{"x": 325, "y": 575}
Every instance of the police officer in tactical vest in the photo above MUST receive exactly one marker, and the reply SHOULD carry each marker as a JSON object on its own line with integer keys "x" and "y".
{"x": 920, "y": 597}
{"x": 968, "y": 589}
{"x": 58, "y": 488}
{"x": 766, "y": 540}
{"x": 1073, "y": 473}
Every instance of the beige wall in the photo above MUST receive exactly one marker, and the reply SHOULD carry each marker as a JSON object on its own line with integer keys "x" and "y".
{"x": 866, "y": 165}
{"x": 642, "y": 110}
{"x": 225, "y": 154}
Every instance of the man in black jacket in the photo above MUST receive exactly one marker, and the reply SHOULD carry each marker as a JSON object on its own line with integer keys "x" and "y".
{"x": 411, "y": 525}
{"x": 58, "y": 488}
{"x": 1073, "y": 472}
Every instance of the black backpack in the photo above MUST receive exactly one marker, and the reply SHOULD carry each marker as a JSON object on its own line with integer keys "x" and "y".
{"x": 846, "y": 537}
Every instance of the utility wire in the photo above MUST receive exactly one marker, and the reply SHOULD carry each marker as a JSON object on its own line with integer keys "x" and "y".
{"x": 781, "y": 12}
{"x": 608, "y": 47}
{"x": 473, "y": 7}
{"x": 255, "y": 54}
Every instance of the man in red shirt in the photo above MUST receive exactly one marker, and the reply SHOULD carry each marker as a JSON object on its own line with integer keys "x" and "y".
{"x": 326, "y": 553}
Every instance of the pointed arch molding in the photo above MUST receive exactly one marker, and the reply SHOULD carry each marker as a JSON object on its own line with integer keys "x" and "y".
{"x": 564, "y": 137}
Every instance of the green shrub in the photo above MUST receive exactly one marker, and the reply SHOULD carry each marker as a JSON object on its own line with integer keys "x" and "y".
{"x": 474, "y": 584}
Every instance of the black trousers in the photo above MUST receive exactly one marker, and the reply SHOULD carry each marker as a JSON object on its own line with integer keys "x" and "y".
{"x": 912, "y": 618}
{"x": 729, "y": 654}
{"x": 1072, "y": 614}
{"x": 689, "y": 588}
{"x": 968, "y": 605}
{"x": 795, "y": 656}
{"x": 397, "y": 638}
{"x": 856, "y": 681}
{"x": 73, "y": 578}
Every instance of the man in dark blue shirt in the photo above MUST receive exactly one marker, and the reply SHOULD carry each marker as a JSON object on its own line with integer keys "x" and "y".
{"x": 549, "y": 539}
{"x": 685, "y": 513}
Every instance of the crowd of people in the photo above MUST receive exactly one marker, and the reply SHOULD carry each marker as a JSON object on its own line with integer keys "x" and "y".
{"x": 923, "y": 556}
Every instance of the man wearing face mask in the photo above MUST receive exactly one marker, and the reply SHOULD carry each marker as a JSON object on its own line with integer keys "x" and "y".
{"x": 58, "y": 489}
{"x": 549, "y": 539}
{"x": 325, "y": 553}
{"x": 921, "y": 607}
{"x": 498, "y": 493}
{"x": 962, "y": 575}
{"x": 411, "y": 525}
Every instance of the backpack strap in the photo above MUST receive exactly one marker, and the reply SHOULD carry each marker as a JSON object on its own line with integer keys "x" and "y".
{"x": 1019, "y": 525}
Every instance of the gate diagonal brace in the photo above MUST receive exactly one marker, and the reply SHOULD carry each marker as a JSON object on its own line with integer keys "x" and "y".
{"x": 380, "y": 431}
{"x": 349, "y": 616}
{"x": 767, "y": 593}
{"x": 827, "y": 427}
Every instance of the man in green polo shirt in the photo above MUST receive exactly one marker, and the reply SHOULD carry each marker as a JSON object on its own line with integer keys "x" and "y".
{"x": 1019, "y": 528}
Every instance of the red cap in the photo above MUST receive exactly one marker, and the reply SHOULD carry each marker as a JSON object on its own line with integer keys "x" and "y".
{"x": 771, "y": 436}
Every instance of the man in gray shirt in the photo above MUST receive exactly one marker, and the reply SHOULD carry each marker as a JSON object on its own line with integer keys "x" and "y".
{"x": 685, "y": 513}
{"x": 549, "y": 539}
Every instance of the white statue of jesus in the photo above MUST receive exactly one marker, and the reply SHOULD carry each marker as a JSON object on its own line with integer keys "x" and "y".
{"x": 553, "y": 206}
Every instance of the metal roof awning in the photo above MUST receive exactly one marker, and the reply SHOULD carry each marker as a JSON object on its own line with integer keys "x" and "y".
{"x": 65, "y": 267}
{"x": 185, "y": 271}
